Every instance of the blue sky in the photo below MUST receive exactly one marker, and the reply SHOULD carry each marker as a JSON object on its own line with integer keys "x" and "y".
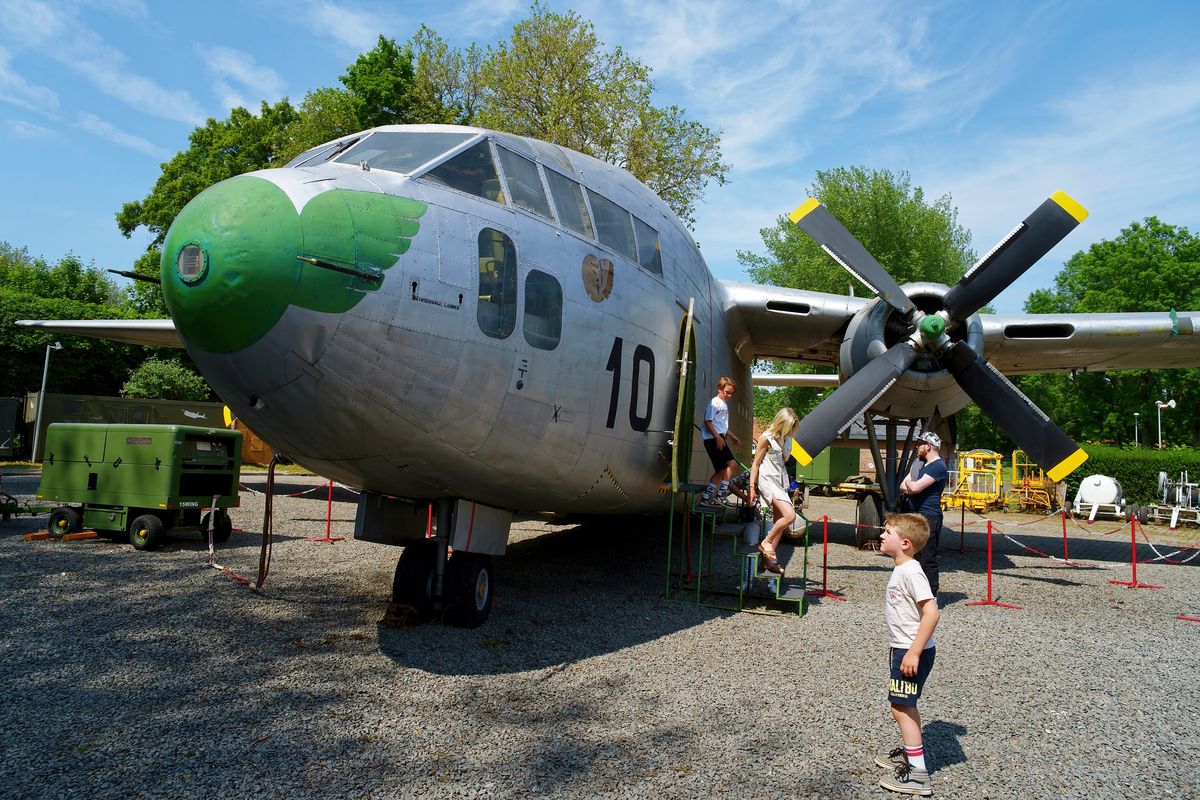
{"x": 997, "y": 104}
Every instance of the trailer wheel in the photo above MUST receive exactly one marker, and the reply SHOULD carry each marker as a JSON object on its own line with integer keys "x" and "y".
{"x": 64, "y": 520}
{"x": 412, "y": 584}
{"x": 468, "y": 590}
{"x": 1131, "y": 511}
{"x": 1143, "y": 515}
{"x": 145, "y": 532}
{"x": 222, "y": 527}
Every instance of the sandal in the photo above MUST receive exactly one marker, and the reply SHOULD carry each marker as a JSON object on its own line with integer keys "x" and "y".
{"x": 770, "y": 562}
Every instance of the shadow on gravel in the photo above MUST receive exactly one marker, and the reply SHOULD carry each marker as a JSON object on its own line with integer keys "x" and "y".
{"x": 941, "y": 737}
{"x": 560, "y": 598}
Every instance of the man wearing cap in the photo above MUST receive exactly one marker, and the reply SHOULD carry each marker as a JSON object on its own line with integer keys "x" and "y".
{"x": 924, "y": 492}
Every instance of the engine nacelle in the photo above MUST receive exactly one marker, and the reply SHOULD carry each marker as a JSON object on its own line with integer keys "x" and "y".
{"x": 925, "y": 387}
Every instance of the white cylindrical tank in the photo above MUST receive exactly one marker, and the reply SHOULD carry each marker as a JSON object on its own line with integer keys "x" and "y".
{"x": 1100, "y": 489}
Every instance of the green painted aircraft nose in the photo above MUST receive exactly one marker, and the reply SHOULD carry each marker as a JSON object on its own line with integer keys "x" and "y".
{"x": 230, "y": 264}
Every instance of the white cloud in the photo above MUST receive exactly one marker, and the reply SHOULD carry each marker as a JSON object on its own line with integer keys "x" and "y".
{"x": 231, "y": 67}
{"x": 98, "y": 127}
{"x": 27, "y": 130}
{"x": 357, "y": 29}
{"x": 61, "y": 35}
{"x": 20, "y": 92}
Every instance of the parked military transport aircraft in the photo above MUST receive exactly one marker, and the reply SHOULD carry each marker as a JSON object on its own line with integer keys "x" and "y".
{"x": 495, "y": 324}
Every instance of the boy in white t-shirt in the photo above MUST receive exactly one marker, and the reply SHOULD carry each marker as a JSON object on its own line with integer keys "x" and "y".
{"x": 911, "y": 614}
{"x": 716, "y": 436}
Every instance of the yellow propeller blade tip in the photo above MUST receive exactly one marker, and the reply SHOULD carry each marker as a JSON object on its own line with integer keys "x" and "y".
{"x": 802, "y": 457}
{"x": 803, "y": 209}
{"x": 1069, "y": 205}
{"x": 1068, "y": 465}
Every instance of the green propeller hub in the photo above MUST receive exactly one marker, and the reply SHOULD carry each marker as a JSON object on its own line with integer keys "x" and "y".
{"x": 932, "y": 327}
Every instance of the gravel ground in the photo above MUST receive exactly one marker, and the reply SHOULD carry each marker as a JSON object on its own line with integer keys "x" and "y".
{"x": 126, "y": 674}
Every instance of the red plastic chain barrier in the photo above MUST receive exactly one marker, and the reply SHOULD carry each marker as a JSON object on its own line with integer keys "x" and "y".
{"x": 824, "y": 563}
{"x": 989, "y": 601}
{"x": 1133, "y": 584}
{"x": 1168, "y": 557}
{"x": 1188, "y": 619}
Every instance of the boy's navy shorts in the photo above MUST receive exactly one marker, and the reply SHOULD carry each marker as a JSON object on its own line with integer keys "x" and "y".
{"x": 904, "y": 691}
{"x": 719, "y": 458}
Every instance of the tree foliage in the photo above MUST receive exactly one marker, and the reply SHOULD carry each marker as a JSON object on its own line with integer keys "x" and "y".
{"x": 913, "y": 239}
{"x": 1149, "y": 266}
{"x": 555, "y": 80}
{"x": 31, "y": 288}
{"x": 166, "y": 379}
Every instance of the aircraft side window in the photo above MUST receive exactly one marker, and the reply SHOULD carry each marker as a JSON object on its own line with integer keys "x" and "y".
{"x": 497, "y": 310}
{"x": 568, "y": 199}
{"x": 524, "y": 184}
{"x": 543, "y": 310}
{"x": 649, "y": 250}
{"x": 471, "y": 171}
{"x": 613, "y": 225}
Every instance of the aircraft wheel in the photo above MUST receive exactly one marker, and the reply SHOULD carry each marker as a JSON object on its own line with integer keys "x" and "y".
{"x": 64, "y": 520}
{"x": 413, "y": 582}
{"x": 468, "y": 590}
{"x": 145, "y": 532}
{"x": 869, "y": 518}
{"x": 222, "y": 527}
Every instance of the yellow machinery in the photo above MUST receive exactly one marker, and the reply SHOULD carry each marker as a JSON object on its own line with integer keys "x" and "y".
{"x": 977, "y": 481}
{"x": 1031, "y": 490}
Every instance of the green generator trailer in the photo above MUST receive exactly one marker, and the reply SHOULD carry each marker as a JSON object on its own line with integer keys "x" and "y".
{"x": 147, "y": 480}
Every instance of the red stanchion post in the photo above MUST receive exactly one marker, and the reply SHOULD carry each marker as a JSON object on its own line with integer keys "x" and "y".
{"x": 990, "y": 601}
{"x": 1066, "y": 558}
{"x": 328, "y": 538}
{"x": 1133, "y": 584}
{"x": 825, "y": 564}
{"x": 962, "y": 529}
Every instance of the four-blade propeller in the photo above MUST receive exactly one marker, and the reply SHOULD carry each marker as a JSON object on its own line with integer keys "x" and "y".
{"x": 1033, "y": 431}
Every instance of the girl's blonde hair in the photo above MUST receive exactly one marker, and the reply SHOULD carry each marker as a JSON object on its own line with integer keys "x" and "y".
{"x": 784, "y": 424}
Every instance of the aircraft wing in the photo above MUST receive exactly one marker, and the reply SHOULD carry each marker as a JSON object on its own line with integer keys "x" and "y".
{"x": 788, "y": 324}
{"x": 1027, "y": 343}
{"x": 152, "y": 332}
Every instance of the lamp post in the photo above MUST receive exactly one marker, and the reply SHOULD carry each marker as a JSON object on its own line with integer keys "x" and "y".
{"x": 37, "y": 425}
{"x": 1136, "y": 414}
{"x": 1161, "y": 404}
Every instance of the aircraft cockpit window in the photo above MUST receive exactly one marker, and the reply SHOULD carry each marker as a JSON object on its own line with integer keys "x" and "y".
{"x": 404, "y": 152}
{"x": 322, "y": 153}
{"x": 543, "y": 310}
{"x": 497, "y": 311}
{"x": 568, "y": 199}
{"x": 471, "y": 171}
{"x": 613, "y": 224}
{"x": 524, "y": 184}
{"x": 649, "y": 250}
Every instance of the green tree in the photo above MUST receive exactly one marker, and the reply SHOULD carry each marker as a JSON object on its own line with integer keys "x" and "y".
{"x": 31, "y": 288}
{"x": 913, "y": 239}
{"x": 379, "y": 82}
{"x": 446, "y": 82}
{"x": 166, "y": 379}
{"x": 1149, "y": 266}
{"x": 555, "y": 80}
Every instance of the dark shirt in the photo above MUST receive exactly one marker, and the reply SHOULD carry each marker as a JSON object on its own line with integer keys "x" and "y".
{"x": 929, "y": 501}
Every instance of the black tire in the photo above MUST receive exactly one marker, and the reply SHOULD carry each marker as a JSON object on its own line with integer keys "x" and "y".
{"x": 64, "y": 520}
{"x": 1131, "y": 511}
{"x": 412, "y": 584}
{"x": 1143, "y": 515}
{"x": 468, "y": 590}
{"x": 146, "y": 532}
{"x": 869, "y": 518}
{"x": 222, "y": 527}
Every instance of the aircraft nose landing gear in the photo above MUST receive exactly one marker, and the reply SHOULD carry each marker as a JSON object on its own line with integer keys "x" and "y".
{"x": 428, "y": 582}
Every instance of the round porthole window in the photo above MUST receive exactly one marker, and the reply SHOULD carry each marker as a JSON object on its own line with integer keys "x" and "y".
{"x": 192, "y": 264}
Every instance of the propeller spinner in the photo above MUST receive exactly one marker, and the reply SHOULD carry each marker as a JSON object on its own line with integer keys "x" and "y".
{"x": 1033, "y": 431}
